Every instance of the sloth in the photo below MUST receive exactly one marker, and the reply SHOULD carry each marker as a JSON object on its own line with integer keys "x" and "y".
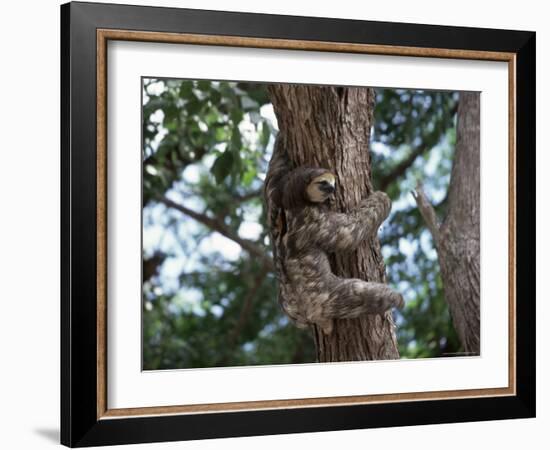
{"x": 305, "y": 232}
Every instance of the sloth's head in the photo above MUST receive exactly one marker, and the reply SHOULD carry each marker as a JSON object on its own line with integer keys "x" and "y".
{"x": 321, "y": 187}
{"x": 306, "y": 185}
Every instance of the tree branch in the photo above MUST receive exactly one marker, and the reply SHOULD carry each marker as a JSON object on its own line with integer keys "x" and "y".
{"x": 235, "y": 197}
{"x": 401, "y": 168}
{"x": 247, "y": 307}
{"x": 248, "y": 196}
{"x": 427, "y": 211}
{"x": 223, "y": 229}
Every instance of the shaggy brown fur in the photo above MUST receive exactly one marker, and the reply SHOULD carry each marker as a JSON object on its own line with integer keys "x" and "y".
{"x": 305, "y": 232}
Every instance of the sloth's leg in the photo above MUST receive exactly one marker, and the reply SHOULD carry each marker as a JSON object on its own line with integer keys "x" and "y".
{"x": 352, "y": 298}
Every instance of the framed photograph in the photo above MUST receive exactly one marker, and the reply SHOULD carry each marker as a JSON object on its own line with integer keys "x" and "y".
{"x": 277, "y": 224}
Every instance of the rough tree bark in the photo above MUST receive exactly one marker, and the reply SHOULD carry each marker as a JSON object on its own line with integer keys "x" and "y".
{"x": 457, "y": 238}
{"x": 329, "y": 127}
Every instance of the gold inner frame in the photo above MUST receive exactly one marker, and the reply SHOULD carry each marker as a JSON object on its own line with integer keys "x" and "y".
{"x": 104, "y": 35}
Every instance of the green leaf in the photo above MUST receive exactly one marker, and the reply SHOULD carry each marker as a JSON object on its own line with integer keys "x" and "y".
{"x": 222, "y": 166}
{"x": 249, "y": 176}
{"x": 266, "y": 134}
{"x": 215, "y": 97}
{"x": 193, "y": 105}
{"x": 221, "y": 134}
{"x": 236, "y": 116}
{"x": 236, "y": 141}
{"x": 186, "y": 89}
{"x": 203, "y": 85}
{"x": 237, "y": 162}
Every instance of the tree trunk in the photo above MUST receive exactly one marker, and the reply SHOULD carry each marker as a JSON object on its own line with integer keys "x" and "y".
{"x": 329, "y": 127}
{"x": 457, "y": 238}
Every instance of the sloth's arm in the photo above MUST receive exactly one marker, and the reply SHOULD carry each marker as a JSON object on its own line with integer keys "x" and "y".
{"x": 351, "y": 298}
{"x": 340, "y": 232}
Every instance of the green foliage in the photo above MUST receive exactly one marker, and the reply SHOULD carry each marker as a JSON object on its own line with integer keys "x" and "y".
{"x": 194, "y": 119}
{"x": 207, "y": 301}
{"x": 206, "y": 145}
{"x": 422, "y": 123}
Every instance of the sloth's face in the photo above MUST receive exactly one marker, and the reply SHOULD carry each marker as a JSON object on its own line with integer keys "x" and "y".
{"x": 321, "y": 187}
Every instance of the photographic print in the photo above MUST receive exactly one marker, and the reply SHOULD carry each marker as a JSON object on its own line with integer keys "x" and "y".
{"x": 291, "y": 224}
{"x": 237, "y": 239}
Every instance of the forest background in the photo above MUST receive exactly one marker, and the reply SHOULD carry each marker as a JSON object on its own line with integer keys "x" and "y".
{"x": 209, "y": 290}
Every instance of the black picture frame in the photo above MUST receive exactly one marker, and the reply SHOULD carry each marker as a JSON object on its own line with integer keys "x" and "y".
{"x": 80, "y": 425}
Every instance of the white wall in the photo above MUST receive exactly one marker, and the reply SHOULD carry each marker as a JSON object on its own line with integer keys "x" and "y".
{"x": 29, "y": 229}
